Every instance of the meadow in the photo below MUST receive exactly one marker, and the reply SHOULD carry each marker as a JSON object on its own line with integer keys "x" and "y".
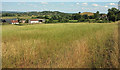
{"x": 75, "y": 45}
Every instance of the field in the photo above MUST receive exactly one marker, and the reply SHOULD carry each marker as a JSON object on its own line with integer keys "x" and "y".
{"x": 87, "y": 13}
{"x": 74, "y": 45}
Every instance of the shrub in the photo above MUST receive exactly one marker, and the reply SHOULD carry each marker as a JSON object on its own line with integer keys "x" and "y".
{"x": 73, "y": 21}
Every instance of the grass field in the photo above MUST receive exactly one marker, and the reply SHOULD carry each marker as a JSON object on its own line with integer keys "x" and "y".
{"x": 60, "y": 46}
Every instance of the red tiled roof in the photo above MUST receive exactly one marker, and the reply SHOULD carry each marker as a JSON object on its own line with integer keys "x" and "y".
{"x": 14, "y": 21}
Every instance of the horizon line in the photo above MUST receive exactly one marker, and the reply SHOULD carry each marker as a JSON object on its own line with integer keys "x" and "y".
{"x": 51, "y": 11}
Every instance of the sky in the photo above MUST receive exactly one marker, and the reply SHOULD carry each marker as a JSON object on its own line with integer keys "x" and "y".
{"x": 60, "y": 0}
{"x": 67, "y": 6}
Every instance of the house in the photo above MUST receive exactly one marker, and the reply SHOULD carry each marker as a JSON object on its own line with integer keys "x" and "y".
{"x": 14, "y": 22}
{"x": 10, "y": 21}
{"x": 36, "y": 20}
{"x": 22, "y": 21}
{"x": 103, "y": 16}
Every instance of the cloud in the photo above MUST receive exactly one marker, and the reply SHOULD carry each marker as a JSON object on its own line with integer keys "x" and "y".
{"x": 85, "y": 3}
{"x": 106, "y": 6}
{"x": 77, "y": 3}
{"x": 95, "y": 5}
{"x": 44, "y": 3}
{"x": 112, "y": 3}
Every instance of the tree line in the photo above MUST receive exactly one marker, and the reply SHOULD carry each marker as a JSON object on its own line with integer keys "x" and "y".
{"x": 60, "y": 17}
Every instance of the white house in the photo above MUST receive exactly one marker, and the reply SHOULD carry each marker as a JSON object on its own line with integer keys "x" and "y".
{"x": 14, "y": 22}
{"x": 36, "y": 20}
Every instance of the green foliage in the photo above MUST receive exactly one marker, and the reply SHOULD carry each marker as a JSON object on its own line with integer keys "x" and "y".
{"x": 8, "y": 14}
{"x": 73, "y": 21}
{"x": 5, "y": 23}
{"x": 26, "y": 21}
{"x": 85, "y": 16}
{"x": 91, "y": 17}
{"x": 118, "y": 16}
{"x": 81, "y": 20}
{"x": 50, "y": 20}
{"x": 76, "y": 16}
{"x": 56, "y": 16}
{"x": 63, "y": 20}
{"x": 46, "y": 17}
{"x": 113, "y": 14}
{"x": 97, "y": 15}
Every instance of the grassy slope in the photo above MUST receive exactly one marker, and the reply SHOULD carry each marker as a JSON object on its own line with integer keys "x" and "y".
{"x": 60, "y": 45}
{"x": 87, "y": 13}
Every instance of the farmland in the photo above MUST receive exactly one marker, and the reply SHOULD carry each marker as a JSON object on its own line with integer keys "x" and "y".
{"x": 69, "y": 45}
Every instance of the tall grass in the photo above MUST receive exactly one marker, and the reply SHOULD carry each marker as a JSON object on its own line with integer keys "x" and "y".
{"x": 60, "y": 46}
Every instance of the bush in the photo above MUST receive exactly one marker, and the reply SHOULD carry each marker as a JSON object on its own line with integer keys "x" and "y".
{"x": 55, "y": 21}
{"x": 73, "y": 21}
{"x": 81, "y": 20}
{"x": 62, "y": 20}
{"x": 102, "y": 21}
{"x": 5, "y": 23}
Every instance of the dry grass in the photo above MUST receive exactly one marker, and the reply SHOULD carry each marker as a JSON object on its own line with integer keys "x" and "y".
{"x": 60, "y": 46}
{"x": 87, "y": 13}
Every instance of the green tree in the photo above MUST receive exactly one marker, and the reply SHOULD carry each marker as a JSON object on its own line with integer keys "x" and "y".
{"x": 81, "y": 20}
{"x": 118, "y": 16}
{"x": 63, "y": 20}
{"x": 113, "y": 14}
{"x": 50, "y": 20}
{"x": 46, "y": 17}
{"x": 115, "y": 10}
{"x": 97, "y": 15}
{"x": 26, "y": 21}
{"x": 76, "y": 16}
{"x": 85, "y": 16}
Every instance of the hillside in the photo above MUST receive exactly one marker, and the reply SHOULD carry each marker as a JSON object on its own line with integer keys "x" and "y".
{"x": 87, "y": 13}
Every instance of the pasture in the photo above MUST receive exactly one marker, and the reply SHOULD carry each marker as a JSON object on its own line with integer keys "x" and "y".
{"x": 74, "y": 45}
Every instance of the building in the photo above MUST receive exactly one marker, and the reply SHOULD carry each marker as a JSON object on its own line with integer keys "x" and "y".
{"x": 14, "y": 22}
{"x": 22, "y": 21}
{"x": 36, "y": 20}
{"x": 103, "y": 16}
{"x": 119, "y": 5}
{"x": 10, "y": 21}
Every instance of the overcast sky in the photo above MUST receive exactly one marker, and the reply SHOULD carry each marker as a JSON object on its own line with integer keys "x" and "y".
{"x": 60, "y": 0}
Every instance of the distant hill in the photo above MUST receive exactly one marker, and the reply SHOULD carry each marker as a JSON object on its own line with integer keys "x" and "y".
{"x": 35, "y": 13}
{"x": 87, "y": 13}
{"x": 11, "y": 12}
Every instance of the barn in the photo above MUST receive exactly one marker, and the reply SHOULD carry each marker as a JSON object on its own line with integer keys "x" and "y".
{"x": 10, "y": 21}
{"x": 36, "y": 20}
